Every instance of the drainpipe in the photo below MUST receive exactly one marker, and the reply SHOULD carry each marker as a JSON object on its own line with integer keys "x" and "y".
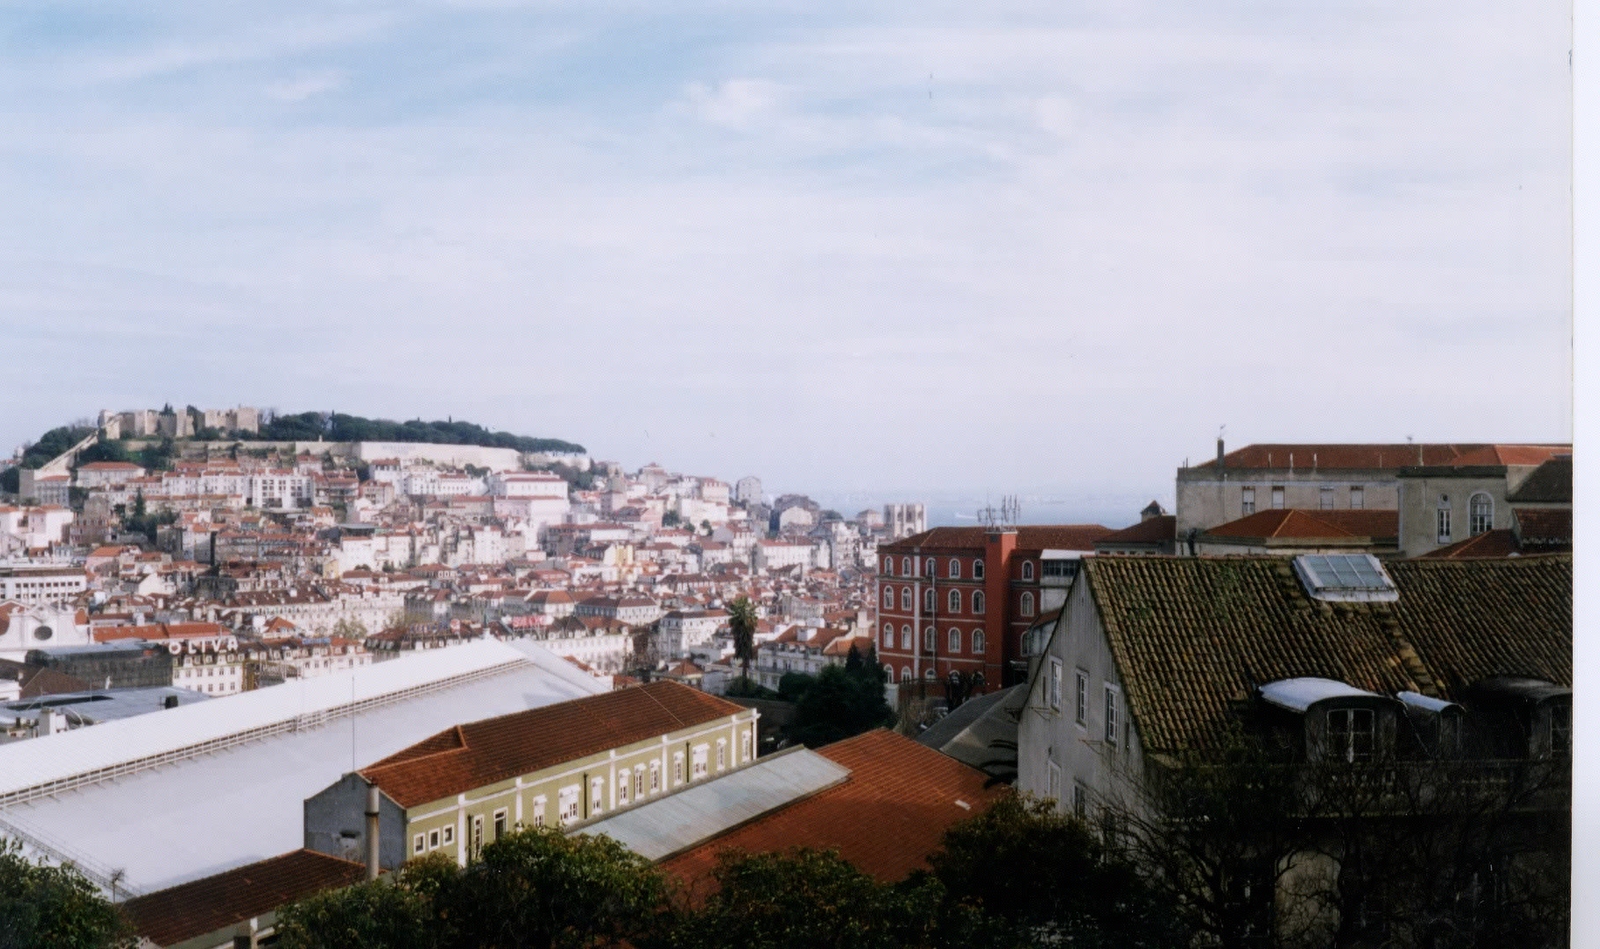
{"x": 372, "y": 831}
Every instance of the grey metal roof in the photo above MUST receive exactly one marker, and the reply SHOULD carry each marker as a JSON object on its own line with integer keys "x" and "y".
{"x": 660, "y": 828}
{"x": 101, "y": 705}
{"x": 1297, "y": 695}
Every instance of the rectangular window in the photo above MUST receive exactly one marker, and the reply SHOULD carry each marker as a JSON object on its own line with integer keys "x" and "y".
{"x": 744, "y": 746}
{"x": 1560, "y": 731}
{"x": 1358, "y": 498}
{"x": 722, "y": 754}
{"x": 538, "y": 811}
{"x": 1055, "y": 683}
{"x": 449, "y": 834}
{"x": 477, "y": 835}
{"x": 622, "y": 789}
{"x": 1350, "y": 734}
{"x": 1080, "y": 800}
{"x": 702, "y": 758}
{"x": 1325, "y": 499}
{"x": 569, "y": 804}
{"x": 638, "y": 782}
{"x": 1083, "y": 697}
{"x": 1444, "y": 525}
{"x": 677, "y": 768}
{"x": 655, "y": 777}
{"x": 1112, "y": 718}
{"x": 1054, "y": 790}
{"x": 433, "y": 839}
{"x": 500, "y": 823}
{"x": 1277, "y": 497}
{"x": 597, "y": 795}
{"x": 419, "y": 844}
{"x": 1060, "y": 569}
{"x": 1247, "y": 500}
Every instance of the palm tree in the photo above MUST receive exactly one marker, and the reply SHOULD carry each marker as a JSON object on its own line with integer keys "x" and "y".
{"x": 742, "y": 619}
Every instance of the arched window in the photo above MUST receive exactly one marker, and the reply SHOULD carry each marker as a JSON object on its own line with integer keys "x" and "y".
{"x": 1027, "y": 570}
{"x": 930, "y": 641}
{"x": 888, "y": 672}
{"x": 888, "y": 598}
{"x": 905, "y": 567}
{"x": 977, "y": 570}
{"x": 905, "y": 637}
{"x": 888, "y": 635}
{"x": 955, "y": 640}
{"x": 1481, "y": 514}
{"x": 905, "y": 673}
{"x": 927, "y": 600}
{"x": 905, "y": 599}
{"x": 928, "y": 566}
{"x": 955, "y": 601}
{"x": 955, "y": 569}
{"x": 1027, "y": 604}
{"x": 928, "y": 673}
{"x": 977, "y": 601}
{"x": 977, "y": 642}
{"x": 888, "y": 566}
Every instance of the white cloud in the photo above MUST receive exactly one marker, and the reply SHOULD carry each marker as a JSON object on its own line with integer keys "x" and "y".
{"x": 304, "y": 86}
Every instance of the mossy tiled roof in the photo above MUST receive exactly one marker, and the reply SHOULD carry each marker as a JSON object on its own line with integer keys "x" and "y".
{"x": 1190, "y": 635}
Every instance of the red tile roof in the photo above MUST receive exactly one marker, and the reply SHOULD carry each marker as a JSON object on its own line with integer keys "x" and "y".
{"x": 1029, "y": 537}
{"x": 885, "y": 819}
{"x": 1544, "y": 527}
{"x": 1294, "y": 523}
{"x": 498, "y": 749}
{"x": 1381, "y": 456}
{"x": 188, "y": 910}
{"x": 1151, "y": 530}
{"x": 1495, "y": 543}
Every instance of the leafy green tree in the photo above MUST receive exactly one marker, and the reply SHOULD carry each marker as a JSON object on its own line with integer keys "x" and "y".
{"x": 742, "y": 620}
{"x": 54, "y": 907}
{"x": 794, "y": 684}
{"x": 389, "y": 913}
{"x": 537, "y": 888}
{"x": 844, "y": 701}
{"x": 11, "y": 480}
{"x": 1022, "y": 873}
{"x": 805, "y": 899}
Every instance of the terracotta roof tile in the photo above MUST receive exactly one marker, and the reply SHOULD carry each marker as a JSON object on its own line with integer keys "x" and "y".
{"x": 1190, "y": 635}
{"x": 1544, "y": 527}
{"x": 1029, "y": 537}
{"x": 1151, "y": 530}
{"x": 885, "y": 819}
{"x": 1495, "y": 543}
{"x": 1299, "y": 524}
{"x": 1369, "y": 456}
{"x": 498, "y": 749}
{"x": 203, "y": 906}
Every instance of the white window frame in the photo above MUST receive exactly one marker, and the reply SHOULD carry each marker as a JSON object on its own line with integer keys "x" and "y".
{"x": 977, "y": 569}
{"x": 1081, "y": 706}
{"x": 905, "y": 673}
{"x": 1026, "y": 605}
{"x": 570, "y": 803}
{"x": 955, "y": 568}
{"x": 905, "y": 599}
{"x": 502, "y": 822}
{"x": 1358, "y": 497}
{"x": 538, "y": 810}
{"x": 1480, "y": 518}
{"x": 1027, "y": 570}
{"x": 597, "y": 796}
{"x": 624, "y": 781}
{"x": 677, "y": 768}
{"x": 1325, "y": 499}
{"x": 888, "y": 635}
{"x": 1442, "y": 522}
{"x": 905, "y": 636}
{"x": 419, "y": 844}
{"x": 722, "y": 754}
{"x": 655, "y": 777}
{"x": 701, "y": 762}
{"x": 953, "y": 604}
{"x": 1113, "y": 713}
{"x": 1247, "y": 501}
{"x": 433, "y": 839}
{"x": 930, "y": 640}
{"x": 954, "y": 643}
{"x": 1054, "y": 696}
{"x": 977, "y": 642}
{"x": 1279, "y": 497}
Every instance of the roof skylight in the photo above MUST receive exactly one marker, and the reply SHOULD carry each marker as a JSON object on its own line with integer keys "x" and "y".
{"x": 1345, "y": 578}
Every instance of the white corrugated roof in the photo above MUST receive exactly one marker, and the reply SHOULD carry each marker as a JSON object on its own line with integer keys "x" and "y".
{"x": 36, "y": 761}
{"x": 1297, "y": 695}
{"x": 202, "y": 815}
{"x": 669, "y": 825}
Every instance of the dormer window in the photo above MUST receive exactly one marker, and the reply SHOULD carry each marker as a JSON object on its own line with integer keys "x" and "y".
{"x": 1350, "y": 735}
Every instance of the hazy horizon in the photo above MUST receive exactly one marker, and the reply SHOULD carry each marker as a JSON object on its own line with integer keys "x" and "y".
{"x": 1018, "y": 249}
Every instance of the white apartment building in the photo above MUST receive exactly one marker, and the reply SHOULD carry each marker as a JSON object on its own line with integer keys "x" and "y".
{"x": 33, "y": 585}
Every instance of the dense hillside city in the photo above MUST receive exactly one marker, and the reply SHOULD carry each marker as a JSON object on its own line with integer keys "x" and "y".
{"x": 1325, "y": 700}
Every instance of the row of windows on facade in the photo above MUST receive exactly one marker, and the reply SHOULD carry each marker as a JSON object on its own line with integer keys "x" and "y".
{"x": 569, "y": 806}
{"x": 930, "y": 568}
{"x": 953, "y": 600}
{"x": 928, "y": 674}
{"x": 930, "y": 640}
{"x": 1111, "y": 694}
{"x": 1327, "y": 498}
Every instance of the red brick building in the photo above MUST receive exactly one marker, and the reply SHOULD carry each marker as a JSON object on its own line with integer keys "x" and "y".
{"x": 958, "y": 599}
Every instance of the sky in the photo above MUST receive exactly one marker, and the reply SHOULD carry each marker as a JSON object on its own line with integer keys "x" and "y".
{"x": 869, "y": 251}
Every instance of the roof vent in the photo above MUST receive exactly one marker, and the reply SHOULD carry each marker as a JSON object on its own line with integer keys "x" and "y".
{"x": 1345, "y": 578}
